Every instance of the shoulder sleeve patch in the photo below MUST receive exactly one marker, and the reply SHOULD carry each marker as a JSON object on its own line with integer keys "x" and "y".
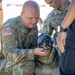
{"x": 7, "y": 32}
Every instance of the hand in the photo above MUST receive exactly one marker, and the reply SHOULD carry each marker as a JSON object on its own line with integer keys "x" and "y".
{"x": 0, "y": 46}
{"x": 40, "y": 52}
{"x": 61, "y": 41}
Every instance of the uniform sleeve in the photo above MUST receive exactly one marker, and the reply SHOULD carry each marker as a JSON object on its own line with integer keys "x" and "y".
{"x": 47, "y": 25}
{"x": 47, "y": 29}
{"x": 10, "y": 50}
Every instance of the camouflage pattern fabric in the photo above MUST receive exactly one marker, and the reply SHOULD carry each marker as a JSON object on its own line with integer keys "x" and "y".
{"x": 2, "y": 64}
{"x": 18, "y": 46}
{"x": 54, "y": 19}
{"x": 48, "y": 65}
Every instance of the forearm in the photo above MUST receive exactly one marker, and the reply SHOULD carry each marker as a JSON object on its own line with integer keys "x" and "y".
{"x": 70, "y": 16}
{"x": 47, "y": 29}
{"x": 19, "y": 55}
{"x": 1, "y": 21}
{"x": 1, "y": 16}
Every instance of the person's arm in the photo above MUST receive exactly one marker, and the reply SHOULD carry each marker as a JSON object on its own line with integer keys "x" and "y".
{"x": 1, "y": 15}
{"x": 10, "y": 47}
{"x": 1, "y": 21}
{"x": 70, "y": 16}
{"x": 47, "y": 28}
{"x": 13, "y": 51}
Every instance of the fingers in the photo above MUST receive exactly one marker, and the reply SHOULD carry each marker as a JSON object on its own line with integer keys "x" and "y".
{"x": 62, "y": 45}
{"x": 44, "y": 53}
{"x": 40, "y": 52}
{"x": 61, "y": 41}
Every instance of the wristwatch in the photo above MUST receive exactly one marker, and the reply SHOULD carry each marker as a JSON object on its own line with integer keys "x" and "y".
{"x": 62, "y": 29}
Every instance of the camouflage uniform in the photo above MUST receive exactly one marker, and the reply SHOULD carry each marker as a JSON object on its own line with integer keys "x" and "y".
{"x": 54, "y": 18}
{"x": 18, "y": 46}
{"x": 48, "y": 65}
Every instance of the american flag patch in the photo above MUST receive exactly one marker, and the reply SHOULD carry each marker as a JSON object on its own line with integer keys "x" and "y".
{"x": 7, "y": 33}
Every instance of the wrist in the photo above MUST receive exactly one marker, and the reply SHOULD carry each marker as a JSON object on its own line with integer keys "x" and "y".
{"x": 63, "y": 29}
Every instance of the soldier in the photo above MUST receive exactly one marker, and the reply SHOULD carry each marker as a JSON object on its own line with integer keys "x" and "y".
{"x": 56, "y": 16}
{"x": 54, "y": 19}
{"x": 19, "y": 37}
